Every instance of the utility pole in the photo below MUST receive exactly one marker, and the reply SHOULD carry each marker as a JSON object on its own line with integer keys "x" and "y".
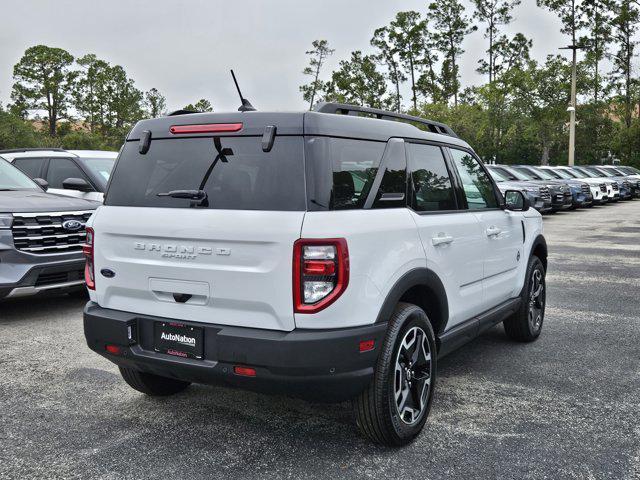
{"x": 573, "y": 102}
{"x": 572, "y": 110}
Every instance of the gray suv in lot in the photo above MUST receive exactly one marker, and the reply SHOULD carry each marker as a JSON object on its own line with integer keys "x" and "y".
{"x": 41, "y": 237}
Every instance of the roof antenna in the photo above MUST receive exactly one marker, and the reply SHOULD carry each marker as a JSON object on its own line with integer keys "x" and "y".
{"x": 246, "y": 104}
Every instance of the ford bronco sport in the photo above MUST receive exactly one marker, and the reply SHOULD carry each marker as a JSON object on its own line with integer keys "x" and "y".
{"x": 333, "y": 254}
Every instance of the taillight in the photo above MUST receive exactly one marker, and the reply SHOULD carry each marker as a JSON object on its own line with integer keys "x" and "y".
{"x": 320, "y": 273}
{"x": 87, "y": 249}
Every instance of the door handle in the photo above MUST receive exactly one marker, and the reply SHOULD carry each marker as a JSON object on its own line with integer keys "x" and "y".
{"x": 441, "y": 240}
{"x": 492, "y": 230}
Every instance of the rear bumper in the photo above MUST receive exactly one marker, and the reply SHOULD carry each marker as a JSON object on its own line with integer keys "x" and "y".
{"x": 323, "y": 365}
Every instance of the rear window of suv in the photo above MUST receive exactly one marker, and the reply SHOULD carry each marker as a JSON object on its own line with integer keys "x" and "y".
{"x": 243, "y": 177}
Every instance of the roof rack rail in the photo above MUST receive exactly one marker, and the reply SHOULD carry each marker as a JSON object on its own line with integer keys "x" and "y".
{"x": 21, "y": 150}
{"x": 181, "y": 112}
{"x": 356, "y": 110}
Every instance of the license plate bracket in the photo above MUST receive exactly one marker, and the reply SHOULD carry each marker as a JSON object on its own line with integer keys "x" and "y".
{"x": 178, "y": 339}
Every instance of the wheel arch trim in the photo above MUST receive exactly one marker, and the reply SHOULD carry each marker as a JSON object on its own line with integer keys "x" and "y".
{"x": 417, "y": 277}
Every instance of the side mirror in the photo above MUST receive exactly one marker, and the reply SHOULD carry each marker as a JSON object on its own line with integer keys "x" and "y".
{"x": 42, "y": 182}
{"x": 77, "y": 184}
{"x": 516, "y": 201}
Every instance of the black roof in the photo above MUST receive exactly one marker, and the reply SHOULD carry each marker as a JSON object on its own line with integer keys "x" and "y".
{"x": 371, "y": 127}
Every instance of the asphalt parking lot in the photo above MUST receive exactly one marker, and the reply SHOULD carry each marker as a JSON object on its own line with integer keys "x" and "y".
{"x": 566, "y": 406}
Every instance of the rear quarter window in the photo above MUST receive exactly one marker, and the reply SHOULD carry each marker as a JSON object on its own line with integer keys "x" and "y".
{"x": 244, "y": 178}
{"x": 341, "y": 171}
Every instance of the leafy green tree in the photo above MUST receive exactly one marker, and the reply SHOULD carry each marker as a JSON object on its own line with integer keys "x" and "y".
{"x": 494, "y": 13}
{"x": 89, "y": 93}
{"x": 407, "y": 33}
{"x": 358, "y": 81}
{"x": 43, "y": 80}
{"x": 452, "y": 26}
{"x": 107, "y": 98}
{"x": 626, "y": 25}
{"x": 120, "y": 102}
{"x": 16, "y": 132}
{"x": 317, "y": 58}
{"x": 510, "y": 53}
{"x": 541, "y": 94}
{"x": 569, "y": 14}
{"x": 597, "y": 22}
{"x": 428, "y": 84}
{"x": 155, "y": 103}
{"x": 387, "y": 55}
{"x": 202, "y": 105}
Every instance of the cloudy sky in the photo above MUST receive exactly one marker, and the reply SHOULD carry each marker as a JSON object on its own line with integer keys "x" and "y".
{"x": 185, "y": 48}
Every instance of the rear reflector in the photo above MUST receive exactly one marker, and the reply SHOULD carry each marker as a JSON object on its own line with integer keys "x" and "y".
{"x": 206, "y": 128}
{"x": 367, "y": 345}
{"x": 244, "y": 371}
{"x": 113, "y": 349}
{"x": 319, "y": 267}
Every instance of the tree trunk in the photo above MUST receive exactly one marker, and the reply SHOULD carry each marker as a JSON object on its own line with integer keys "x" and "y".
{"x": 315, "y": 84}
{"x": 490, "y": 53}
{"x": 597, "y": 52}
{"x": 397, "y": 84}
{"x": 413, "y": 84}
{"x": 52, "y": 122}
{"x": 545, "y": 153}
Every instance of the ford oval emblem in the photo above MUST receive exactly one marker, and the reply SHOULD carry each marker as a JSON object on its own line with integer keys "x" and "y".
{"x": 72, "y": 225}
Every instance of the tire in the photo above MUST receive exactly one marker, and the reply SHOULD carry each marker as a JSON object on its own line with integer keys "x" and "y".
{"x": 377, "y": 414}
{"x": 526, "y": 324}
{"x": 150, "y": 384}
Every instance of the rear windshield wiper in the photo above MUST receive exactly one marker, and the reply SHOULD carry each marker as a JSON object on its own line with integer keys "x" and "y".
{"x": 198, "y": 195}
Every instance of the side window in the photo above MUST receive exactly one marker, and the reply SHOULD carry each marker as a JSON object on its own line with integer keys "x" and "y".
{"x": 342, "y": 171}
{"x": 31, "y": 166}
{"x": 60, "y": 169}
{"x": 478, "y": 188}
{"x": 394, "y": 180}
{"x": 505, "y": 173}
{"x": 432, "y": 189}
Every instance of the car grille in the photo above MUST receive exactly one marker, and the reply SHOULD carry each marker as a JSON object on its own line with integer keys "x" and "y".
{"x": 43, "y": 233}
{"x": 544, "y": 193}
{"x": 603, "y": 187}
{"x": 585, "y": 189}
{"x": 59, "y": 277}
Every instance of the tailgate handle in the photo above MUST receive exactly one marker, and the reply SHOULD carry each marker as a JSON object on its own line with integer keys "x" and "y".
{"x": 182, "y": 297}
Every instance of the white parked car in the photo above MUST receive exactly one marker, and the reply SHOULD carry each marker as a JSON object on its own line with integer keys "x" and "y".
{"x": 75, "y": 173}
{"x": 317, "y": 254}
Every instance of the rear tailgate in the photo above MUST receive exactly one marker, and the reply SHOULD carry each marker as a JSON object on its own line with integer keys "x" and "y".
{"x": 235, "y": 265}
{"x": 224, "y": 257}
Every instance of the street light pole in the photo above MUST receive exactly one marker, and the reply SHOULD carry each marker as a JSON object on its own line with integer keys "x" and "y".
{"x": 573, "y": 102}
{"x": 572, "y": 110}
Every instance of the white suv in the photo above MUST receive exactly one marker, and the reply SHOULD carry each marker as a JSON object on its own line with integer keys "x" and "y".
{"x": 73, "y": 173}
{"x": 334, "y": 254}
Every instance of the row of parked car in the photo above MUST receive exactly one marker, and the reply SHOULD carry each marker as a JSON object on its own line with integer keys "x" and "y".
{"x": 47, "y": 195}
{"x": 551, "y": 189}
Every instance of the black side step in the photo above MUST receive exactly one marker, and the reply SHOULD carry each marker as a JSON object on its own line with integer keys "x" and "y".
{"x": 466, "y": 331}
